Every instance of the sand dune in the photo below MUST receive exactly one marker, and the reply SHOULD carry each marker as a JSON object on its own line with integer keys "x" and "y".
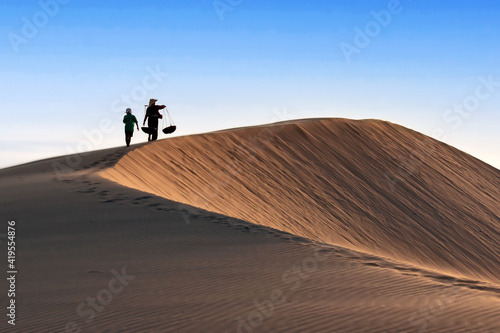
{"x": 369, "y": 185}
{"x": 192, "y": 270}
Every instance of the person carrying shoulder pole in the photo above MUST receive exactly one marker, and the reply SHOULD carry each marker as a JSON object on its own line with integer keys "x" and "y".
{"x": 129, "y": 120}
{"x": 152, "y": 115}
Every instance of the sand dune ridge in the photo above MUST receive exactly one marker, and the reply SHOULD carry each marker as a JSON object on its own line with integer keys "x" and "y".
{"x": 367, "y": 185}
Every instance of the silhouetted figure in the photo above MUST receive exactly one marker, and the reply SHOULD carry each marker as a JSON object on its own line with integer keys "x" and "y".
{"x": 129, "y": 120}
{"x": 153, "y": 115}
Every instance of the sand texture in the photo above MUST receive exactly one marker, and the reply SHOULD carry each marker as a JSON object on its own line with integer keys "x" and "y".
{"x": 370, "y": 186}
{"x": 325, "y": 225}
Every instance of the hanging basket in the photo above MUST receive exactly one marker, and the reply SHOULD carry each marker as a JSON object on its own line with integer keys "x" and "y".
{"x": 171, "y": 126}
{"x": 147, "y": 130}
{"x": 169, "y": 129}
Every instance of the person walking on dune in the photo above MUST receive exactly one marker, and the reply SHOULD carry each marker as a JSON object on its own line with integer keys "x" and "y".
{"x": 153, "y": 115}
{"x": 129, "y": 120}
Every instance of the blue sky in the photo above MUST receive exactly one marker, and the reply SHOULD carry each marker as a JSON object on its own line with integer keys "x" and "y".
{"x": 255, "y": 62}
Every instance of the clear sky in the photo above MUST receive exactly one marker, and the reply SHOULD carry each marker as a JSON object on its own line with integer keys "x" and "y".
{"x": 68, "y": 67}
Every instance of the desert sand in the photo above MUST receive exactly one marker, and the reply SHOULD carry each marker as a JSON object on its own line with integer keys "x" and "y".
{"x": 318, "y": 225}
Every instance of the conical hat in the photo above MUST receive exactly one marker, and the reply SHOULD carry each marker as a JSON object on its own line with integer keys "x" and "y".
{"x": 152, "y": 101}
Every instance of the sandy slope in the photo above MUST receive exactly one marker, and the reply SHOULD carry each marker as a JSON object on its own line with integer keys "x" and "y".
{"x": 367, "y": 185}
{"x": 196, "y": 271}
